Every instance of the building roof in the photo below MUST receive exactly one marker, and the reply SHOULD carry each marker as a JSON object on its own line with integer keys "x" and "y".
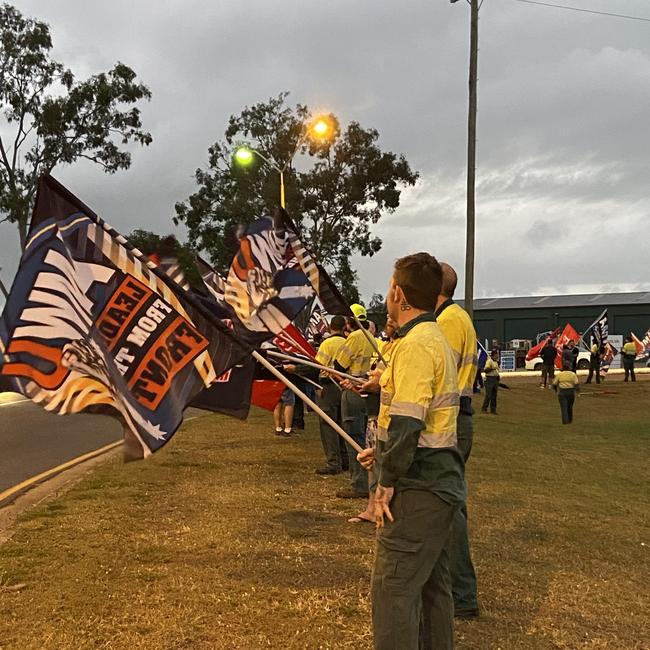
{"x": 577, "y": 300}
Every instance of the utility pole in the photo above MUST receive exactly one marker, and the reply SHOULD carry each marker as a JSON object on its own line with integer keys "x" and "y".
{"x": 471, "y": 158}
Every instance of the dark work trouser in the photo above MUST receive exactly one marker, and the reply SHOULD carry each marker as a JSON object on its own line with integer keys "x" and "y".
{"x": 491, "y": 390}
{"x": 594, "y": 369}
{"x": 548, "y": 372}
{"x": 354, "y": 418}
{"x": 566, "y": 397}
{"x": 330, "y": 401}
{"x": 412, "y": 606}
{"x": 461, "y": 568}
{"x": 298, "y": 421}
{"x": 628, "y": 366}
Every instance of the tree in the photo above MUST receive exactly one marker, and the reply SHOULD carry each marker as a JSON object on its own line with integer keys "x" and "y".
{"x": 50, "y": 118}
{"x": 335, "y": 201}
{"x": 148, "y": 242}
{"x": 377, "y": 309}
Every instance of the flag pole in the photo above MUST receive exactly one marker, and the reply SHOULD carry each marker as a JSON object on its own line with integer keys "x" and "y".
{"x": 591, "y": 327}
{"x": 289, "y": 384}
{"x": 312, "y": 364}
{"x": 315, "y": 384}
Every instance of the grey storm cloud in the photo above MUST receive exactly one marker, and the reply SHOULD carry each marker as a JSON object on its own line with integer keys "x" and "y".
{"x": 562, "y": 132}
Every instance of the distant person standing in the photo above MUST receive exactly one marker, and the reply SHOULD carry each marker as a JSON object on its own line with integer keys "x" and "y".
{"x": 594, "y": 362}
{"x": 491, "y": 372}
{"x": 567, "y": 385}
{"x": 629, "y": 355}
{"x": 354, "y": 357}
{"x": 329, "y": 399}
{"x": 284, "y": 410}
{"x": 574, "y": 354}
{"x": 548, "y": 354}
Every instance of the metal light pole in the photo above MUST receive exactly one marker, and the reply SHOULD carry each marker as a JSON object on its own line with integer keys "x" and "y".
{"x": 244, "y": 153}
{"x": 471, "y": 156}
{"x": 244, "y": 156}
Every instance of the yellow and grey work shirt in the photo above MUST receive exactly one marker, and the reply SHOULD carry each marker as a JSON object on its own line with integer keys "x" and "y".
{"x": 629, "y": 350}
{"x": 491, "y": 368}
{"x": 459, "y": 331}
{"x": 417, "y": 418}
{"x": 328, "y": 350}
{"x": 566, "y": 379}
{"x": 355, "y": 355}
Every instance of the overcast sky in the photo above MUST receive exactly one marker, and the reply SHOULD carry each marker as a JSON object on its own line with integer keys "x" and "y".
{"x": 563, "y": 138}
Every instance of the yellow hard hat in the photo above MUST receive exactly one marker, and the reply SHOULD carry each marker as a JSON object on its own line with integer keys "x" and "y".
{"x": 359, "y": 311}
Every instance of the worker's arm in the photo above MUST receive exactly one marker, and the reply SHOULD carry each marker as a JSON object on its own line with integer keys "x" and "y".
{"x": 413, "y": 375}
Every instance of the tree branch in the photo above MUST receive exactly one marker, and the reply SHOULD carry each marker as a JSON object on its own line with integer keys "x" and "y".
{"x": 5, "y": 160}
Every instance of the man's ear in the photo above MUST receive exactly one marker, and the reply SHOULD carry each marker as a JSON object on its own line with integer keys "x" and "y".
{"x": 398, "y": 294}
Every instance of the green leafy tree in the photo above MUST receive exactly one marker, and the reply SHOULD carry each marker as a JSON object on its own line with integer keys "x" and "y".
{"x": 340, "y": 188}
{"x": 377, "y": 309}
{"x": 50, "y": 118}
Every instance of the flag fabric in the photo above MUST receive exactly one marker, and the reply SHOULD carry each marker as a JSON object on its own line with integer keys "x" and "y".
{"x": 91, "y": 325}
{"x": 266, "y": 389}
{"x": 481, "y": 355}
{"x": 172, "y": 268}
{"x": 265, "y": 286}
{"x": 317, "y": 328}
{"x": 536, "y": 350}
{"x": 266, "y": 393}
{"x": 607, "y": 358}
{"x": 231, "y": 393}
{"x": 642, "y": 346}
{"x": 568, "y": 334}
{"x": 214, "y": 283}
{"x": 601, "y": 329}
{"x": 292, "y": 341}
{"x": 329, "y": 296}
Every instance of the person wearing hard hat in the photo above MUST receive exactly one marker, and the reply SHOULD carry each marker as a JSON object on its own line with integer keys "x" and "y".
{"x": 355, "y": 358}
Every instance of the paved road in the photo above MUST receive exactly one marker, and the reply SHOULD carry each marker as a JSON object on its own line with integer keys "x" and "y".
{"x": 33, "y": 440}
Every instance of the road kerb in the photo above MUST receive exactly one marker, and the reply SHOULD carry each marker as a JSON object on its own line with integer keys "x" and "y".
{"x": 11, "y": 493}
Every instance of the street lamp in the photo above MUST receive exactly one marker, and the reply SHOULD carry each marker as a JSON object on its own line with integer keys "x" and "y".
{"x": 321, "y": 128}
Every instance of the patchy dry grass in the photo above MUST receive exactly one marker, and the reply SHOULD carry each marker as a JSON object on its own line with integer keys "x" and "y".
{"x": 227, "y": 539}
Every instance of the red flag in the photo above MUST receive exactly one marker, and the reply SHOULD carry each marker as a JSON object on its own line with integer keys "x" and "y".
{"x": 536, "y": 350}
{"x": 266, "y": 393}
{"x": 291, "y": 340}
{"x": 641, "y": 346}
{"x": 568, "y": 334}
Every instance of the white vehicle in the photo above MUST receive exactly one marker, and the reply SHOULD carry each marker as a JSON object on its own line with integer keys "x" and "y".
{"x": 583, "y": 362}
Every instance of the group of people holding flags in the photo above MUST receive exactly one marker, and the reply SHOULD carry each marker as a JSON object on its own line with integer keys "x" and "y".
{"x": 406, "y": 400}
{"x": 93, "y": 324}
{"x": 561, "y": 351}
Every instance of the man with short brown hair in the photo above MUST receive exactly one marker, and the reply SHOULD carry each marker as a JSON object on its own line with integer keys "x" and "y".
{"x": 420, "y": 469}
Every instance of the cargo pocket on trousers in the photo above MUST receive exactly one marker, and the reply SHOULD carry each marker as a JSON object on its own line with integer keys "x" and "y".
{"x": 400, "y": 561}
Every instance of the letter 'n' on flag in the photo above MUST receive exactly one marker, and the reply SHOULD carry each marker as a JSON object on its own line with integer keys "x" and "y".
{"x": 91, "y": 325}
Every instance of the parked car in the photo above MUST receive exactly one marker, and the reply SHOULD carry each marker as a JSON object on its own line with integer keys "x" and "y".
{"x": 583, "y": 362}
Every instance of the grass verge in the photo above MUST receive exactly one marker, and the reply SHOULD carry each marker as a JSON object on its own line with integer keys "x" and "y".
{"x": 227, "y": 539}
